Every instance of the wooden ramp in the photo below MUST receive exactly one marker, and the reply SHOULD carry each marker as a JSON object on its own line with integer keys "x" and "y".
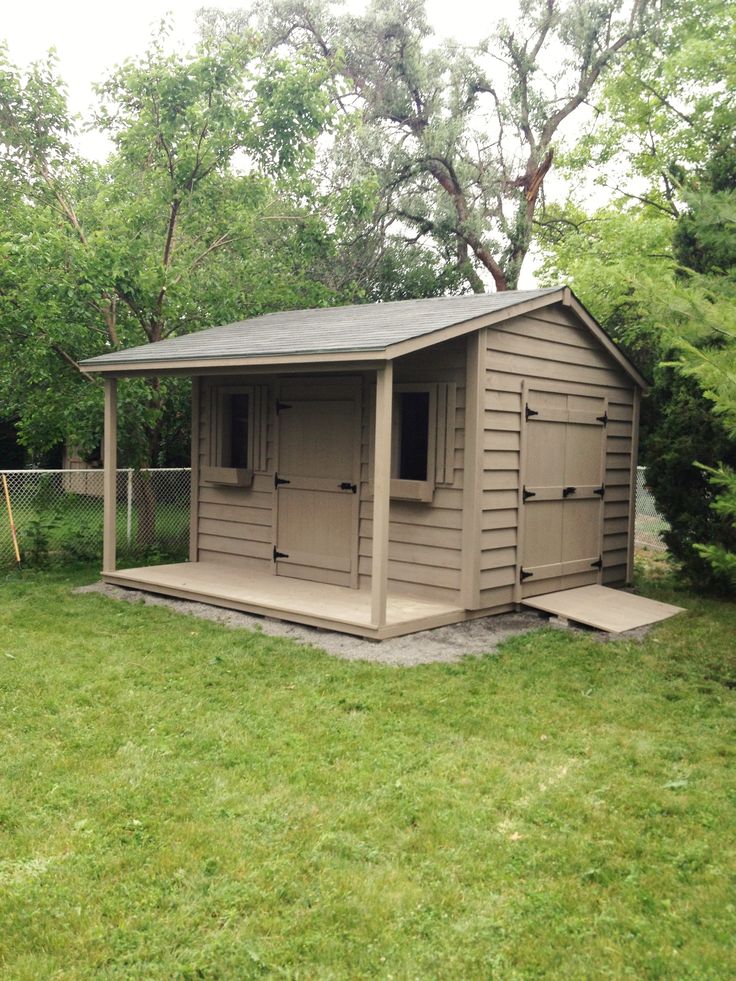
{"x": 607, "y": 609}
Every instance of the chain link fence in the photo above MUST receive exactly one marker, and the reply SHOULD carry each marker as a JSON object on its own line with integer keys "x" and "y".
{"x": 58, "y": 516}
{"x": 650, "y": 525}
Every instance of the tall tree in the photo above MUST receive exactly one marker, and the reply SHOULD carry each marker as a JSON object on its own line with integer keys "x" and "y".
{"x": 461, "y": 140}
{"x": 658, "y": 267}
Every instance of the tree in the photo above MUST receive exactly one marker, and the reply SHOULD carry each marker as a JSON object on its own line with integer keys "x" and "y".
{"x": 196, "y": 218}
{"x": 166, "y": 237}
{"x": 461, "y": 141}
{"x": 659, "y": 269}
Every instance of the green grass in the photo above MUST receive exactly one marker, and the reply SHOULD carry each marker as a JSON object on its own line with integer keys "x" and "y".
{"x": 179, "y": 800}
{"x": 71, "y": 527}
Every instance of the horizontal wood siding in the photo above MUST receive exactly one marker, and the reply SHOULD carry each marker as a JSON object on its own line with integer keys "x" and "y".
{"x": 550, "y": 346}
{"x": 235, "y": 524}
{"x": 425, "y": 539}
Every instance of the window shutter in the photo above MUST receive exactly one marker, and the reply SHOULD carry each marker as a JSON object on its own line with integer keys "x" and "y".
{"x": 445, "y": 442}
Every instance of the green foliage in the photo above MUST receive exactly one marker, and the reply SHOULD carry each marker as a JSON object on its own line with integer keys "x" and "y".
{"x": 171, "y": 234}
{"x": 682, "y": 429}
{"x": 459, "y": 140}
{"x": 218, "y": 803}
{"x": 722, "y": 557}
{"x": 660, "y": 270}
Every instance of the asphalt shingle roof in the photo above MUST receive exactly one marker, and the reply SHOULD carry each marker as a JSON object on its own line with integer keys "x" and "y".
{"x": 325, "y": 330}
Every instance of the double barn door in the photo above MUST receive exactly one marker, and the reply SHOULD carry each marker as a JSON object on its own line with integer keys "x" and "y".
{"x": 562, "y": 492}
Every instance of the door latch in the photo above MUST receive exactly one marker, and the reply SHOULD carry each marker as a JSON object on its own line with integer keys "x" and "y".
{"x": 567, "y": 491}
{"x": 346, "y": 485}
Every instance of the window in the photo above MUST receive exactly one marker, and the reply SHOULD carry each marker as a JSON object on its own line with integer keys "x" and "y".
{"x": 411, "y": 436}
{"x": 423, "y": 424}
{"x": 237, "y": 433}
{"x": 233, "y": 430}
{"x": 413, "y": 441}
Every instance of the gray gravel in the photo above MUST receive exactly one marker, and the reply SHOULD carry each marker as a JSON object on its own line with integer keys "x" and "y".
{"x": 446, "y": 644}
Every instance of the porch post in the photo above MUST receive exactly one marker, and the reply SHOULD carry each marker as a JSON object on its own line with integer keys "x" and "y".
{"x": 381, "y": 493}
{"x": 110, "y": 455}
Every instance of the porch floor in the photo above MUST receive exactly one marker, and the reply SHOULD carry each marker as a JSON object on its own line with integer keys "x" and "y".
{"x": 296, "y": 600}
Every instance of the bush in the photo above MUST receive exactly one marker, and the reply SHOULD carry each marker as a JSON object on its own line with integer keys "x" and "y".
{"x": 686, "y": 432}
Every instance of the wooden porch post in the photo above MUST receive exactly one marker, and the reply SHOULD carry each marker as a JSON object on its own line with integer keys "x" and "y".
{"x": 381, "y": 493}
{"x": 110, "y": 454}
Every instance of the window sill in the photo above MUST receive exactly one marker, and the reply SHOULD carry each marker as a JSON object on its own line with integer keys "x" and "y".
{"x": 230, "y": 476}
{"x": 412, "y": 490}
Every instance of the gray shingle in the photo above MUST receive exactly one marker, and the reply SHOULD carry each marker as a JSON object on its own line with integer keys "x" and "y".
{"x": 325, "y": 330}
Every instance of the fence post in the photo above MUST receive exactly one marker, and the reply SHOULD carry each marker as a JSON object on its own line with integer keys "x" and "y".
{"x": 129, "y": 512}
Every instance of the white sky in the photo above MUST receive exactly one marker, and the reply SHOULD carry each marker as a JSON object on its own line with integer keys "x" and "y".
{"x": 92, "y": 36}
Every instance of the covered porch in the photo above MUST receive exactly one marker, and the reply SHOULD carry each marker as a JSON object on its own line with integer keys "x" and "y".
{"x": 375, "y": 609}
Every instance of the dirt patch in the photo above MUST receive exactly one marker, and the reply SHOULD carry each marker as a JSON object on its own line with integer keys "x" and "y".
{"x": 446, "y": 644}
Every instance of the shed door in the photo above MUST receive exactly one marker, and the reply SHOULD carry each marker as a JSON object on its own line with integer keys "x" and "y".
{"x": 317, "y": 480}
{"x": 562, "y": 494}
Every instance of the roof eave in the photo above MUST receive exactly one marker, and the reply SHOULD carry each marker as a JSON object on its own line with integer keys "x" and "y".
{"x": 196, "y": 366}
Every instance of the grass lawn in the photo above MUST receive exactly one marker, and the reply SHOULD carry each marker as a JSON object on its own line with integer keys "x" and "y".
{"x": 179, "y": 800}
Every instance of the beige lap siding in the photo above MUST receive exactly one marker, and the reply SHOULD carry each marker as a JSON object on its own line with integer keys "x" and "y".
{"x": 235, "y": 524}
{"x": 551, "y": 346}
{"x": 424, "y": 539}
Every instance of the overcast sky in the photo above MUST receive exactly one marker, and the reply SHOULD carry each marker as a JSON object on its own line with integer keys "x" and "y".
{"x": 91, "y": 36}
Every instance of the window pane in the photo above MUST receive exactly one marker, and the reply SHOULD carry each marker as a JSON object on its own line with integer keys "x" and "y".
{"x": 413, "y": 435}
{"x": 236, "y": 448}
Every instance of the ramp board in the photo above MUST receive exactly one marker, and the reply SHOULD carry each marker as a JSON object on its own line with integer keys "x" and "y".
{"x": 607, "y": 609}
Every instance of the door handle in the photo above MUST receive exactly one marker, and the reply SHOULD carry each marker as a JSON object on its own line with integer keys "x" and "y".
{"x": 346, "y": 485}
{"x": 566, "y": 491}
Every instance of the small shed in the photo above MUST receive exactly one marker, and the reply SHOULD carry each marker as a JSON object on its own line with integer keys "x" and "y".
{"x": 385, "y": 468}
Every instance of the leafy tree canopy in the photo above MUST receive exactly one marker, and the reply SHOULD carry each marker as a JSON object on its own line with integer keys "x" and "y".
{"x": 459, "y": 141}
{"x": 201, "y": 215}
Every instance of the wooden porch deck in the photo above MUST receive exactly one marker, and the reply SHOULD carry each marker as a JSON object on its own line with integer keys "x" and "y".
{"x": 296, "y": 600}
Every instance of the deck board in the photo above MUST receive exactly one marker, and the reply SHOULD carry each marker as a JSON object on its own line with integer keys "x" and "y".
{"x": 298, "y": 600}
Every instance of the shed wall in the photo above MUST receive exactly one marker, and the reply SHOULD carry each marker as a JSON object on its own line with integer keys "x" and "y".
{"x": 552, "y": 346}
{"x": 425, "y": 539}
{"x": 234, "y": 524}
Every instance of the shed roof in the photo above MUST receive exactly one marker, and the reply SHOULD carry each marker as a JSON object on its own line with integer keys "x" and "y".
{"x": 375, "y": 330}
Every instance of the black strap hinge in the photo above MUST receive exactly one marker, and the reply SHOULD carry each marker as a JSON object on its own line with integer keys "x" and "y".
{"x": 529, "y": 412}
{"x": 280, "y": 406}
{"x": 600, "y": 491}
{"x": 523, "y": 574}
{"x": 279, "y": 555}
{"x": 526, "y": 494}
{"x": 346, "y": 485}
{"x": 603, "y": 418}
{"x": 567, "y": 491}
{"x": 278, "y": 481}
{"x": 598, "y": 564}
